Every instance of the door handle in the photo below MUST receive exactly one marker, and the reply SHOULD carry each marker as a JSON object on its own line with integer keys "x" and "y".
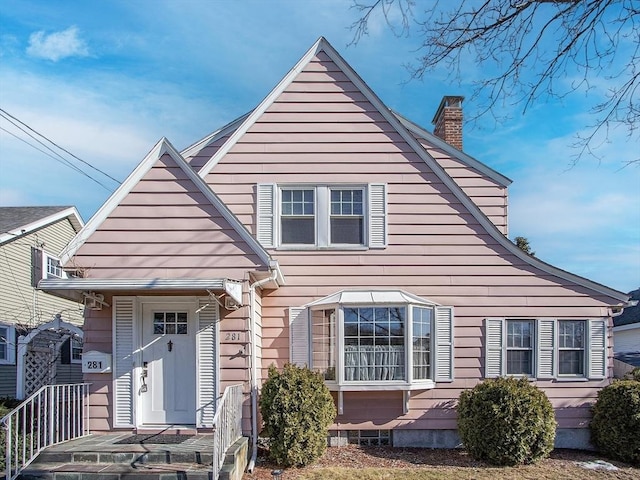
{"x": 143, "y": 378}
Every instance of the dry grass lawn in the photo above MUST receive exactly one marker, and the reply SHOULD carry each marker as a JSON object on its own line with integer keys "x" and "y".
{"x": 377, "y": 463}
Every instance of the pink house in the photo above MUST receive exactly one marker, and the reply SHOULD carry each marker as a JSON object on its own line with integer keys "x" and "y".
{"x": 324, "y": 229}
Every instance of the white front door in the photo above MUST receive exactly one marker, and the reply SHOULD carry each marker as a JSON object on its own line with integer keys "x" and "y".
{"x": 168, "y": 375}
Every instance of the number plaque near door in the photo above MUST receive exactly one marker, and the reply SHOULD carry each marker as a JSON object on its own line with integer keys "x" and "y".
{"x": 96, "y": 362}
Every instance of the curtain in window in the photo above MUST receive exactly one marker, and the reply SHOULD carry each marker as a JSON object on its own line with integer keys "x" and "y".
{"x": 374, "y": 363}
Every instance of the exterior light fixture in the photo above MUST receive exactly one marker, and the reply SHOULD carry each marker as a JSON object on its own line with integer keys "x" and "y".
{"x": 276, "y": 474}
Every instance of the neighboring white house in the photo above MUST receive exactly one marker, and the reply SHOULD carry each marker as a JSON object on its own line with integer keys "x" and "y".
{"x": 626, "y": 328}
{"x": 31, "y": 239}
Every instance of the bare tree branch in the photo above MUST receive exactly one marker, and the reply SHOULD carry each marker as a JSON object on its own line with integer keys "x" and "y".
{"x": 530, "y": 51}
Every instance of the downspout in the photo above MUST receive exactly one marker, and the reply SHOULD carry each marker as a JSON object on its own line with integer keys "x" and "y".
{"x": 254, "y": 366}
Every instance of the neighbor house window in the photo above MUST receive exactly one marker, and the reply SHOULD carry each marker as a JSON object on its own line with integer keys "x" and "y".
{"x": 520, "y": 347}
{"x": 76, "y": 350}
{"x": 7, "y": 344}
{"x": 571, "y": 343}
{"x": 54, "y": 270}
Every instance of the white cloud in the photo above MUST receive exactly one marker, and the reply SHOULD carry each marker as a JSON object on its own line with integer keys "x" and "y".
{"x": 57, "y": 45}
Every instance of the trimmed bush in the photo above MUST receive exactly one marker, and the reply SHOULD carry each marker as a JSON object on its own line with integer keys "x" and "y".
{"x": 615, "y": 427}
{"x": 297, "y": 409}
{"x": 505, "y": 421}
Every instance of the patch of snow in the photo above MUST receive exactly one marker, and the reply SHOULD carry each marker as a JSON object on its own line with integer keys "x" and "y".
{"x": 597, "y": 465}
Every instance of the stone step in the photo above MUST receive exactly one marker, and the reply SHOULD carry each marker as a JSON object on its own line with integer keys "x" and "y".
{"x": 115, "y": 471}
{"x": 150, "y": 456}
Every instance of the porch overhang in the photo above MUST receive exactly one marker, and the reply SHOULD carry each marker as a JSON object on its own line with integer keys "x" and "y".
{"x": 76, "y": 288}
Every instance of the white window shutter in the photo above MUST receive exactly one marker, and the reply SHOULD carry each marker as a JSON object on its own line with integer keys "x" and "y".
{"x": 546, "y": 341}
{"x": 377, "y": 215}
{"x": 299, "y": 336}
{"x": 123, "y": 313}
{"x": 266, "y": 214}
{"x": 206, "y": 342}
{"x": 443, "y": 344}
{"x": 494, "y": 348}
{"x": 597, "y": 353}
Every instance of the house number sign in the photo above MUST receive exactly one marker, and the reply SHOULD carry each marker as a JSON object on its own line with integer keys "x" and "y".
{"x": 96, "y": 362}
{"x": 235, "y": 337}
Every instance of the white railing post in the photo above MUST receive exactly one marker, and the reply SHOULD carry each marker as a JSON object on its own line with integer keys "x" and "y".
{"x": 41, "y": 414}
{"x": 227, "y": 425}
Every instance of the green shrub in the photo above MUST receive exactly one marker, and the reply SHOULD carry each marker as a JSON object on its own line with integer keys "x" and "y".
{"x": 615, "y": 427}
{"x": 505, "y": 421}
{"x": 297, "y": 409}
{"x": 633, "y": 375}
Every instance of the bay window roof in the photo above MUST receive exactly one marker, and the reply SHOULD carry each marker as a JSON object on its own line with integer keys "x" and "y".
{"x": 371, "y": 297}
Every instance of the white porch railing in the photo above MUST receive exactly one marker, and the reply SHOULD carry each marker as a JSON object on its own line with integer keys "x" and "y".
{"x": 53, "y": 414}
{"x": 227, "y": 425}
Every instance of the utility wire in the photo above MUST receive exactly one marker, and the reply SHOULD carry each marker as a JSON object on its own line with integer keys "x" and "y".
{"x": 62, "y": 160}
{"x": 6, "y": 114}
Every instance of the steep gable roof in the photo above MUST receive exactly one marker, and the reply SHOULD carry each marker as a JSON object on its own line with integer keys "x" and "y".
{"x": 322, "y": 45}
{"x": 18, "y": 221}
{"x": 161, "y": 148}
{"x": 437, "y": 142}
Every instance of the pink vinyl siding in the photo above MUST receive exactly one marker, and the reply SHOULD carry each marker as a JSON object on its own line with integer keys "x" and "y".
{"x": 165, "y": 228}
{"x": 436, "y": 249}
{"x": 487, "y": 194}
{"x": 199, "y": 159}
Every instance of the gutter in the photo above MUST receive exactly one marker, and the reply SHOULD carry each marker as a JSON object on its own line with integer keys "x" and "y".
{"x": 275, "y": 271}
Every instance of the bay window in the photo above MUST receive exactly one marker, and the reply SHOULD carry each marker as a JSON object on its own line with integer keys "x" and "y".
{"x": 388, "y": 342}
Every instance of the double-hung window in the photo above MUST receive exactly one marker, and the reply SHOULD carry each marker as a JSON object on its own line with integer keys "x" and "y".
{"x": 357, "y": 345}
{"x": 520, "y": 335}
{"x": 546, "y": 348}
{"x": 571, "y": 343}
{"x": 346, "y": 220}
{"x": 297, "y": 217}
{"x": 321, "y": 216}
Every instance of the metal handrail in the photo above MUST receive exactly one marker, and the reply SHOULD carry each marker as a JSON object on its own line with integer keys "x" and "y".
{"x": 227, "y": 425}
{"x": 53, "y": 414}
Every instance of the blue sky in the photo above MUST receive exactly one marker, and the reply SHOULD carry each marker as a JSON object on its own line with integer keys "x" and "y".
{"x": 107, "y": 79}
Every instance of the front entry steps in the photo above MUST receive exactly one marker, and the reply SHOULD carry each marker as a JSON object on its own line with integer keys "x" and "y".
{"x": 99, "y": 457}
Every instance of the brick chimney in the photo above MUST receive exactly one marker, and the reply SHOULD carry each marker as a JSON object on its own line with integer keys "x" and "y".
{"x": 448, "y": 121}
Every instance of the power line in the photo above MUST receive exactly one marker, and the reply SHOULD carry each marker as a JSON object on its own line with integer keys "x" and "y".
{"x": 14, "y": 119}
{"x": 62, "y": 160}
